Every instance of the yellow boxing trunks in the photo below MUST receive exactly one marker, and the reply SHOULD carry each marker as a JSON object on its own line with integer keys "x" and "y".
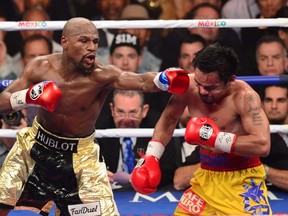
{"x": 226, "y": 185}
{"x": 42, "y": 168}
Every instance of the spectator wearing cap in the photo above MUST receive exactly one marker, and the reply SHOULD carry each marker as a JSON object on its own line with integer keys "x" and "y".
{"x": 138, "y": 12}
{"x": 125, "y": 52}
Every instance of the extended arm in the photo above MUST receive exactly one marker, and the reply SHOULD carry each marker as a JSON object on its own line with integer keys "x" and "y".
{"x": 24, "y": 92}
{"x": 174, "y": 80}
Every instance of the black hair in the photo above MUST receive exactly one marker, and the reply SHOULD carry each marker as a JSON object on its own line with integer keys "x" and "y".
{"x": 129, "y": 93}
{"x": 193, "y": 38}
{"x": 264, "y": 87}
{"x": 217, "y": 58}
{"x": 270, "y": 38}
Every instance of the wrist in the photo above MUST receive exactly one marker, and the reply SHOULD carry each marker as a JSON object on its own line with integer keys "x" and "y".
{"x": 18, "y": 100}
{"x": 225, "y": 141}
{"x": 160, "y": 80}
{"x": 155, "y": 148}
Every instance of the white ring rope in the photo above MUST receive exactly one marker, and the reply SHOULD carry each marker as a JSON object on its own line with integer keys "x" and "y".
{"x": 122, "y": 24}
{"x": 136, "y": 132}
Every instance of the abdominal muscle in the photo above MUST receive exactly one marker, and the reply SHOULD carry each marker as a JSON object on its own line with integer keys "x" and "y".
{"x": 69, "y": 124}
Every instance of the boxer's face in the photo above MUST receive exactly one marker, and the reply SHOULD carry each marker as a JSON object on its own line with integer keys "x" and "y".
{"x": 210, "y": 88}
{"x": 81, "y": 46}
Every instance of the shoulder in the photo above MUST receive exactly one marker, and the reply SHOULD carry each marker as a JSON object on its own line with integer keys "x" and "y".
{"x": 243, "y": 88}
{"x": 38, "y": 64}
{"x": 45, "y": 60}
{"x": 106, "y": 73}
{"x": 107, "y": 70}
{"x": 244, "y": 94}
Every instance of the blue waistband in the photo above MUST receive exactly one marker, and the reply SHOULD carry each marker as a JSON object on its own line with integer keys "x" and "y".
{"x": 226, "y": 162}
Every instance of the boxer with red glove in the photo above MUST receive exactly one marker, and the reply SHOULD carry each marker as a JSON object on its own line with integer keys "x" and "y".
{"x": 173, "y": 80}
{"x": 45, "y": 94}
{"x": 204, "y": 131}
{"x": 146, "y": 175}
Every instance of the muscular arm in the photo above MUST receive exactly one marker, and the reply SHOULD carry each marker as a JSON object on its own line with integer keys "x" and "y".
{"x": 118, "y": 79}
{"x": 165, "y": 126}
{"x": 146, "y": 175}
{"x": 142, "y": 82}
{"x": 256, "y": 141}
{"x": 173, "y": 80}
{"x": 27, "y": 78}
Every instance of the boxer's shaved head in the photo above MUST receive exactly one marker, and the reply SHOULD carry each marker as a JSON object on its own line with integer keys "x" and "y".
{"x": 77, "y": 25}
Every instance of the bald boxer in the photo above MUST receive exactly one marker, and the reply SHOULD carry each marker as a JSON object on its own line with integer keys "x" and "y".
{"x": 56, "y": 159}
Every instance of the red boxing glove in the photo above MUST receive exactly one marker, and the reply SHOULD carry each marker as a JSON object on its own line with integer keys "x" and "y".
{"x": 146, "y": 175}
{"x": 204, "y": 131}
{"x": 45, "y": 94}
{"x": 173, "y": 80}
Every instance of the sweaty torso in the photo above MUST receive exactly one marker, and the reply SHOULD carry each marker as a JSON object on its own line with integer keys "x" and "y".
{"x": 81, "y": 102}
{"x": 223, "y": 113}
{"x": 226, "y": 113}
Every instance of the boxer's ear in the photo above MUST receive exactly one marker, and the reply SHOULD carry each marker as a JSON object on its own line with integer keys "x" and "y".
{"x": 64, "y": 42}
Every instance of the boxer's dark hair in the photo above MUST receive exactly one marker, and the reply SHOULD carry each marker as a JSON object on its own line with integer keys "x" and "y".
{"x": 217, "y": 58}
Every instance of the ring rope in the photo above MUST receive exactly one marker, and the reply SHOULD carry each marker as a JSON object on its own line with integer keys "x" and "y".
{"x": 137, "y": 132}
{"x": 136, "y": 24}
{"x": 249, "y": 79}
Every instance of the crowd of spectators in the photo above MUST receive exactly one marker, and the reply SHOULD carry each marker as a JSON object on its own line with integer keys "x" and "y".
{"x": 160, "y": 47}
